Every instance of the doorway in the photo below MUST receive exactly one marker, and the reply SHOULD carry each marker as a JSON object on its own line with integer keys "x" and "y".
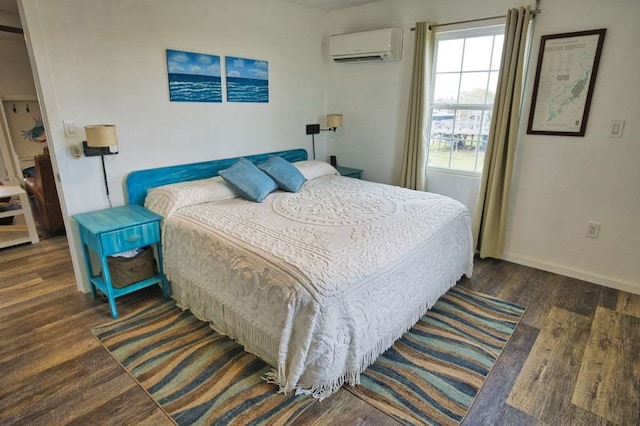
{"x": 24, "y": 159}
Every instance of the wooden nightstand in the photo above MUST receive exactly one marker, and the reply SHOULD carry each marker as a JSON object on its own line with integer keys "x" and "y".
{"x": 111, "y": 231}
{"x": 349, "y": 172}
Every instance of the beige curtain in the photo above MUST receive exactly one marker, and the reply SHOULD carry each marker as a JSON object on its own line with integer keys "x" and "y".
{"x": 413, "y": 157}
{"x": 491, "y": 212}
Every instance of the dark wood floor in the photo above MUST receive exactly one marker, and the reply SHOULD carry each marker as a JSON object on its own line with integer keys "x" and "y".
{"x": 574, "y": 358}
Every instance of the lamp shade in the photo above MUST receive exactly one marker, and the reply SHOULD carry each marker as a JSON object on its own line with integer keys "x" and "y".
{"x": 334, "y": 120}
{"x": 101, "y": 135}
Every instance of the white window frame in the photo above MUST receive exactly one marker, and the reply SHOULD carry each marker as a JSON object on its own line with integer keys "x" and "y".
{"x": 474, "y": 31}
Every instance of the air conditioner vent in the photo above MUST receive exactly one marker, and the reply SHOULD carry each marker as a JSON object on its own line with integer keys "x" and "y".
{"x": 376, "y": 45}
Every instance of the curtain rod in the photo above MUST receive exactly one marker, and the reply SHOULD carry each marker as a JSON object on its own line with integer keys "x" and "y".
{"x": 15, "y": 30}
{"x": 533, "y": 14}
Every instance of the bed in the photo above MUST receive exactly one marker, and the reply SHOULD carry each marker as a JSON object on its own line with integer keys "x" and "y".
{"x": 317, "y": 283}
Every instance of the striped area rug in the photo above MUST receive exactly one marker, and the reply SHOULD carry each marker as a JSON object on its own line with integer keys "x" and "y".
{"x": 430, "y": 376}
{"x": 196, "y": 375}
{"x": 433, "y": 373}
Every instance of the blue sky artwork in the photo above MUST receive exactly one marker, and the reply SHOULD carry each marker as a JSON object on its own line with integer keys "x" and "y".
{"x": 194, "y": 77}
{"x": 247, "y": 80}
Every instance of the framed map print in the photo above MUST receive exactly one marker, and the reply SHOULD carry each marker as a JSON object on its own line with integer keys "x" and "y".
{"x": 565, "y": 76}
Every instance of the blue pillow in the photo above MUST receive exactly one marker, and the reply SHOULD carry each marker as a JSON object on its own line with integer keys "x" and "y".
{"x": 286, "y": 175}
{"x": 248, "y": 180}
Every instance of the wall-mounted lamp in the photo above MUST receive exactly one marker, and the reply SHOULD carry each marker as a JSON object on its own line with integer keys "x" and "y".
{"x": 333, "y": 122}
{"x": 101, "y": 140}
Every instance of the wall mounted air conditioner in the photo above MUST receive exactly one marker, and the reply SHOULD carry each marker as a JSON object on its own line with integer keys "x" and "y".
{"x": 376, "y": 45}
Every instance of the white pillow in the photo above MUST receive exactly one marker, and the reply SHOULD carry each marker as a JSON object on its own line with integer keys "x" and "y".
{"x": 313, "y": 169}
{"x": 165, "y": 200}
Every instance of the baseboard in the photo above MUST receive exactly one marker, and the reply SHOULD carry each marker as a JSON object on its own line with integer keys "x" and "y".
{"x": 627, "y": 286}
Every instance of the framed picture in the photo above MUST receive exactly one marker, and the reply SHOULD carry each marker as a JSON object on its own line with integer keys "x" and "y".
{"x": 247, "y": 80}
{"x": 565, "y": 76}
{"x": 194, "y": 77}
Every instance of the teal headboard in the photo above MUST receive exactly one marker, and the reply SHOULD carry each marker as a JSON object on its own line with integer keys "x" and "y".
{"x": 139, "y": 182}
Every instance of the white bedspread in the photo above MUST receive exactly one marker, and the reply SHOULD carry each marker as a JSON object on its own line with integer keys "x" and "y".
{"x": 321, "y": 282}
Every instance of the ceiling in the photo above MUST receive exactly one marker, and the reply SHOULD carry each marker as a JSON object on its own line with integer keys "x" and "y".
{"x": 325, "y": 5}
{"x": 329, "y": 5}
{"x": 11, "y": 7}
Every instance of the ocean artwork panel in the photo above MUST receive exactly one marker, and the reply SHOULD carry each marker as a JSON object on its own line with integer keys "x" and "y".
{"x": 194, "y": 77}
{"x": 247, "y": 80}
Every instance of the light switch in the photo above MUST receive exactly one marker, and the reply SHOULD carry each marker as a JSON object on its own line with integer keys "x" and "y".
{"x": 616, "y": 128}
{"x": 70, "y": 129}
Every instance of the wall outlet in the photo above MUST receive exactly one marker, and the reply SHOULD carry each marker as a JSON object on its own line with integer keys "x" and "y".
{"x": 593, "y": 229}
{"x": 76, "y": 151}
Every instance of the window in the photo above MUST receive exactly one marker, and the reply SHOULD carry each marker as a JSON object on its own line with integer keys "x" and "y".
{"x": 465, "y": 77}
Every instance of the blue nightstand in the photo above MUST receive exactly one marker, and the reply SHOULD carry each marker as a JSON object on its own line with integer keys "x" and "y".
{"x": 111, "y": 231}
{"x": 349, "y": 172}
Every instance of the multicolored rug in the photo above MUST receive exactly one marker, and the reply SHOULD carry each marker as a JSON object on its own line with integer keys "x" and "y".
{"x": 196, "y": 375}
{"x": 431, "y": 375}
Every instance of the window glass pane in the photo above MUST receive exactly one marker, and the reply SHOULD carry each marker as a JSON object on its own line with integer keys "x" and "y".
{"x": 477, "y": 53}
{"x": 440, "y": 140}
{"x": 468, "y": 126}
{"x": 442, "y": 122}
{"x": 493, "y": 84}
{"x": 486, "y": 126}
{"x": 482, "y": 139}
{"x": 473, "y": 88}
{"x": 468, "y": 123}
{"x": 446, "y": 90}
{"x": 449, "y": 55}
{"x": 463, "y": 156}
{"x": 497, "y": 52}
{"x": 440, "y": 152}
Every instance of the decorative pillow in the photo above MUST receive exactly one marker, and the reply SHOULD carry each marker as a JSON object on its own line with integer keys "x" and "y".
{"x": 286, "y": 175}
{"x": 166, "y": 199}
{"x": 313, "y": 169}
{"x": 246, "y": 178}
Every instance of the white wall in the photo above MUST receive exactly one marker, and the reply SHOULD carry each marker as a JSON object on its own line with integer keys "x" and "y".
{"x": 560, "y": 182}
{"x": 15, "y": 72}
{"x": 103, "y": 61}
{"x": 564, "y": 182}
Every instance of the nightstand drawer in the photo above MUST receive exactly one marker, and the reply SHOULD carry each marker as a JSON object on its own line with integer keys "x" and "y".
{"x": 130, "y": 238}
